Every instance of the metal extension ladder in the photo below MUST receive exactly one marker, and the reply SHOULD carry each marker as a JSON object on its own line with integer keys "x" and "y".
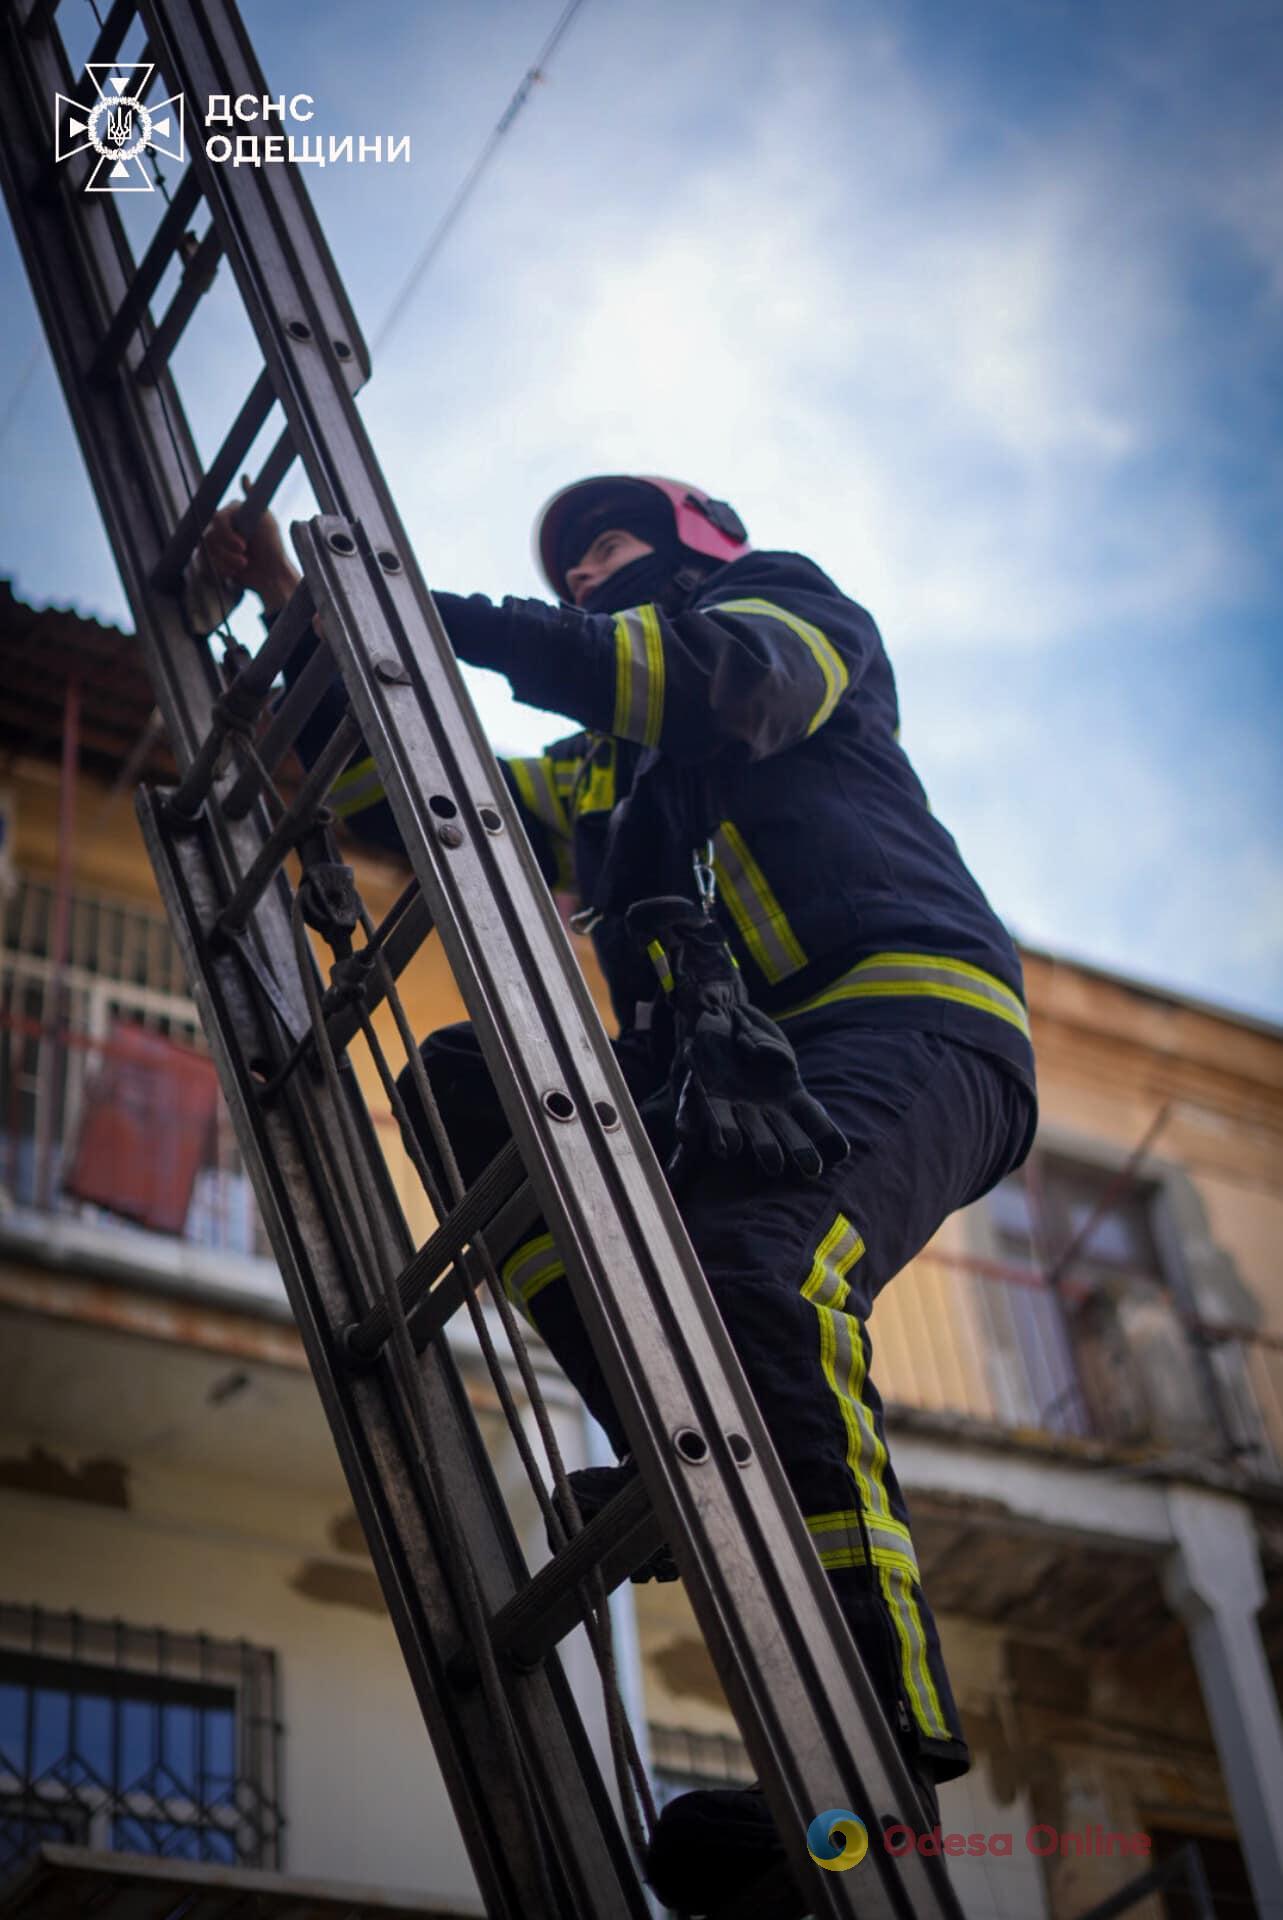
{"x": 479, "y": 1634}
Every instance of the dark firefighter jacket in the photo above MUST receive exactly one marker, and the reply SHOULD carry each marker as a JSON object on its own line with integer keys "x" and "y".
{"x": 761, "y": 718}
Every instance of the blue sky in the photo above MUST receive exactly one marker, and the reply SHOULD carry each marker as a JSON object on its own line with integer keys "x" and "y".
{"x": 981, "y": 307}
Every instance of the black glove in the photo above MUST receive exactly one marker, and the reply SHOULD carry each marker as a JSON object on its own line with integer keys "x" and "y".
{"x": 480, "y": 632}
{"x": 734, "y": 1084}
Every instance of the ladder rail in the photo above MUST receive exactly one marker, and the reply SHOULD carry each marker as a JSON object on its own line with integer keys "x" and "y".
{"x": 786, "y": 1659}
{"x": 295, "y": 1147}
{"x": 143, "y": 465}
{"x": 654, "y": 1327}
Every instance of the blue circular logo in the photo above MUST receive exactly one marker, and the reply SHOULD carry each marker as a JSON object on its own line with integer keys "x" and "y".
{"x": 837, "y": 1840}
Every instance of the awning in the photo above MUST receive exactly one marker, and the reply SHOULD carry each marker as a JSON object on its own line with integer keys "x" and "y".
{"x": 71, "y": 1883}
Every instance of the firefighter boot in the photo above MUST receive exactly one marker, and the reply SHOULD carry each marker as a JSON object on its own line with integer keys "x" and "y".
{"x": 711, "y": 1846}
{"x": 593, "y": 1488}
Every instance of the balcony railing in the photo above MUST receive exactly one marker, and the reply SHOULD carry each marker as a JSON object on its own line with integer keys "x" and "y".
{"x": 66, "y": 1024}
{"x": 988, "y": 1343}
{"x": 995, "y": 1345}
{"x": 49, "y": 1071}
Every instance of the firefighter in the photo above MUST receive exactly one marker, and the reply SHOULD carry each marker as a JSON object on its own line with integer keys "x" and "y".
{"x": 740, "y": 752}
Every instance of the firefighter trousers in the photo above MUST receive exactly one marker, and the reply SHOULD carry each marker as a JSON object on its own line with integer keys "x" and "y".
{"x": 795, "y": 1266}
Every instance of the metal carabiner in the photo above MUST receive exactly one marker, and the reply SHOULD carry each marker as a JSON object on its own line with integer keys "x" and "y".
{"x": 705, "y": 877}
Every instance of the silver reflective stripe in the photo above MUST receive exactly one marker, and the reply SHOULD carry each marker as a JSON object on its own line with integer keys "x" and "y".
{"x": 639, "y": 676}
{"x": 899, "y": 1589}
{"x": 537, "y": 787}
{"x": 836, "y": 1254}
{"x": 760, "y": 918}
{"x": 825, "y": 655}
{"x": 530, "y": 1269}
{"x": 933, "y": 976}
{"x": 841, "y": 1543}
{"x": 359, "y": 787}
{"x": 866, "y": 1454}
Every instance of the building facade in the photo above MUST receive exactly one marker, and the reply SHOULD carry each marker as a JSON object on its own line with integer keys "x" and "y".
{"x": 1083, "y": 1375}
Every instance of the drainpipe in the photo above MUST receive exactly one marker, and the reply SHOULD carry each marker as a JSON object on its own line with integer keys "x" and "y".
{"x": 55, "y": 1009}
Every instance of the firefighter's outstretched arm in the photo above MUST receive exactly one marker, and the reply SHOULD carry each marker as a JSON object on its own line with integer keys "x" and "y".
{"x": 748, "y": 672}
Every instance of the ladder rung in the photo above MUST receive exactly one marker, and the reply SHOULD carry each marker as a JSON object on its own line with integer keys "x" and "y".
{"x": 478, "y": 1207}
{"x": 399, "y": 944}
{"x": 185, "y": 538}
{"x": 400, "y": 934}
{"x": 112, "y": 36}
{"x": 239, "y": 704}
{"x": 294, "y": 822}
{"x": 283, "y": 636}
{"x": 263, "y": 487}
{"x": 289, "y": 718}
{"x": 198, "y": 276}
{"x": 622, "y": 1537}
{"x": 148, "y": 276}
{"x": 510, "y": 1227}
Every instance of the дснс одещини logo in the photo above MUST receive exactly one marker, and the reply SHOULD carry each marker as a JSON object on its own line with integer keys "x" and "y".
{"x": 118, "y": 127}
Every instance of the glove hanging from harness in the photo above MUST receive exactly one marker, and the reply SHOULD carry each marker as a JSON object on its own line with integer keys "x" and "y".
{"x": 734, "y": 1086}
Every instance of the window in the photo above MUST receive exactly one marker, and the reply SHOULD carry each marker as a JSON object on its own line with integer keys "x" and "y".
{"x": 1099, "y": 1345}
{"x": 134, "y": 1740}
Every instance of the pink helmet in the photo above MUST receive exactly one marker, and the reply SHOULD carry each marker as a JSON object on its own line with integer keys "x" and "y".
{"x": 702, "y": 525}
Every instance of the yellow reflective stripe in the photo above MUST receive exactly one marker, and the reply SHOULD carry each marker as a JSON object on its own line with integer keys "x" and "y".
{"x": 655, "y": 677}
{"x": 899, "y": 1590}
{"x": 889, "y": 1536}
{"x": 564, "y": 775}
{"x": 597, "y": 793}
{"x": 759, "y": 916}
{"x": 827, "y": 658}
{"x": 534, "y": 1266}
{"x": 930, "y": 975}
{"x": 639, "y": 676}
{"x": 844, "y": 1546}
{"x": 659, "y": 960}
{"x": 836, "y": 1254}
{"x": 843, "y": 1364}
{"x": 356, "y": 789}
{"x": 536, "y": 783}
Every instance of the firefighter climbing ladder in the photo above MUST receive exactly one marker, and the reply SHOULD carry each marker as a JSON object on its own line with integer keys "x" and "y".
{"x": 478, "y": 1633}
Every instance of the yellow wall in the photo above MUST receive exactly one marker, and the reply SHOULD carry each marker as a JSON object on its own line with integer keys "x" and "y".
{"x": 110, "y": 858}
{"x": 1110, "y": 1056}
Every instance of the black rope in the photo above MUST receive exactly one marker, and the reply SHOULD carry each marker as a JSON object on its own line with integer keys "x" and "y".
{"x": 631, "y": 1776}
{"x": 405, "y": 1366}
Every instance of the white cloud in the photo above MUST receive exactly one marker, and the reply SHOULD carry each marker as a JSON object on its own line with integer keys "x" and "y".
{"x": 951, "y": 350}
{"x": 956, "y": 387}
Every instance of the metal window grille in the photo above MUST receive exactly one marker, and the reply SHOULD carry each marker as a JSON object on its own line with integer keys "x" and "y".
{"x": 122, "y": 964}
{"x": 136, "y": 1740}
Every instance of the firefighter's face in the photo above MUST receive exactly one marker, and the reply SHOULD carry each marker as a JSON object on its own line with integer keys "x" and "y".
{"x": 609, "y": 552}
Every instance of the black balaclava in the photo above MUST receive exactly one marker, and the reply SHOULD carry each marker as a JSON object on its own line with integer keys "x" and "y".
{"x": 664, "y": 576}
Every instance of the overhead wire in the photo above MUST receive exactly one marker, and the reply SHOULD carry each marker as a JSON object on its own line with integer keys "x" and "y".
{"x": 536, "y": 72}
{"x": 403, "y": 298}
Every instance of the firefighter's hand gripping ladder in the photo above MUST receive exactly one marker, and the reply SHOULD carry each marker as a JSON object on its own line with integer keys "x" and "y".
{"x": 479, "y": 1635}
